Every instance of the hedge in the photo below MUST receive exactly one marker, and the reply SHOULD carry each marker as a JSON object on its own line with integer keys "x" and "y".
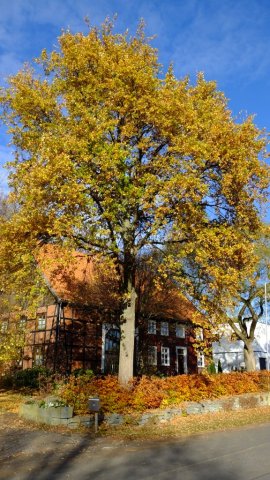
{"x": 33, "y": 378}
{"x": 152, "y": 392}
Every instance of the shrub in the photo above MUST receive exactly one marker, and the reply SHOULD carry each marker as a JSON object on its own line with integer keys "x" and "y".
{"x": 31, "y": 377}
{"x": 153, "y": 392}
{"x": 211, "y": 368}
{"x": 6, "y": 381}
{"x": 219, "y": 367}
{"x": 148, "y": 392}
{"x": 79, "y": 372}
{"x": 77, "y": 390}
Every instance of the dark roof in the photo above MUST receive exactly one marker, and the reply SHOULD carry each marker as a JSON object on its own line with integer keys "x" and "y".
{"x": 77, "y": 278}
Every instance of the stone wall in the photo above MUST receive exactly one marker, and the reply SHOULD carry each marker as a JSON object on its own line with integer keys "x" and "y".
{"x": 64, "y": 415}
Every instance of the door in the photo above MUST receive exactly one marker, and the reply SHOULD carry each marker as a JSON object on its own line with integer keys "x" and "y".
{"x": 181, "y": 360}
{"x": 262, "y": 361}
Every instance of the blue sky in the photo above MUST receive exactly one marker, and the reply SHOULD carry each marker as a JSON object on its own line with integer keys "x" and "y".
{"x": 228, "y": 40}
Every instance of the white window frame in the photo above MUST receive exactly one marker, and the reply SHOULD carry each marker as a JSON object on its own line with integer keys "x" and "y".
{"x": 4, "y": 326}
{"x": 184, "y": 350}
{"x": 199, "y": 334}
{"x": 38, "y": 356}
{"x": 200, "y": 360}
{"x": 152, "y": 327}
{"x": 165, "y": 356}
{"x": 105, "y": 328}
{"x": 152, "y": 355}
{"x": 41, "y": 321}
{"x": 164, "y": 329}
{"x": 22, "y": 323}
{"x": 178, "y": 327}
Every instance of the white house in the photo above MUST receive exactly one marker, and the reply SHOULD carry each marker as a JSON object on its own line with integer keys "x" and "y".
{"x": 231, "y": 353}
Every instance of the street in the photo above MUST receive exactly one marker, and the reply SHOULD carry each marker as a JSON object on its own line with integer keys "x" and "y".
{"x": 242, "y": 454}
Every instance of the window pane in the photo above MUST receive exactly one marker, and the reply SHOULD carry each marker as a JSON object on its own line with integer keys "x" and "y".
{"x": 152, "y": 326}
{"x": 38, "y": 356}
{"x": 152, "y": 355}
{"x": 200, "y": 360}
{"x": 164, "y": 328}
{"x": 41, "y": 322}
{"x": 180, "y": 330}
{"x": 4, "y": 326}
{"x": 199, "y": 333}
{"x": 22, "y": 322}
{"x": 165, "y": 356}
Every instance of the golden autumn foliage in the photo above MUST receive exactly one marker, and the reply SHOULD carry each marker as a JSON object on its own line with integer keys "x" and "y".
{"x": 11, "y": 344}
{"x": 113, "y": 156}
{"x": 153, "y": 392}
{"x": 234, "y": 312}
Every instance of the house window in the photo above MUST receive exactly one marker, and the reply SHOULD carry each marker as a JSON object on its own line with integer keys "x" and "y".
{"x": 199, "y": 334}
{"x": 180, "y": 330}
{"x": 41, "y": 321}
{"x": 112, "y": 340}
{"x": 4, "y": 326}
{"x": 152, "y": 326}
{"x": 22, "y": 323}
{"x": 152, "y": 355}
{"x": 38, "y": 356}
{"x": 200, "y": 360}
{"x": 165, "y": 356}
{"x": 110, "y": 348}
{"x": 164, "y": 328}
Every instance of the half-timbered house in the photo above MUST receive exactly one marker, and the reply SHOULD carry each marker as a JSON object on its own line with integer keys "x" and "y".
{"x": 77, "y": 324}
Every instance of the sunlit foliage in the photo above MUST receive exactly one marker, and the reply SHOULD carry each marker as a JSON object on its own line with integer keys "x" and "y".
{"x": 116, "y": 157}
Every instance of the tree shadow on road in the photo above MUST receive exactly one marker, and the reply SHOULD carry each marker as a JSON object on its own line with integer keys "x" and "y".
{"x": 47, "y": 455}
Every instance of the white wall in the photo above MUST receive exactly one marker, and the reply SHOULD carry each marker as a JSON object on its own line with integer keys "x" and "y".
{"x": 230, "y": 353}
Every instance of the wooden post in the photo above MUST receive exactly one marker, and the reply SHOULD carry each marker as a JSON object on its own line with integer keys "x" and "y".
{"x": 96, "y": 422}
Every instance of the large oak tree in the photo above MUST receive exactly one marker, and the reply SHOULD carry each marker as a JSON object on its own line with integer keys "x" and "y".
{"x": 112, "y": 156}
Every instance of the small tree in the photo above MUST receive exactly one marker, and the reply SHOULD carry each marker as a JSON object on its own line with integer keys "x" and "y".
{"x": 114, "y": 158}
{"x": 241, "y": 310}
{"x": 251, "y": 302}
{"x": 244, "y": 324}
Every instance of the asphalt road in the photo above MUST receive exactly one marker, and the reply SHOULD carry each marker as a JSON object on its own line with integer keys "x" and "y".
{"x": 242, "y": 454}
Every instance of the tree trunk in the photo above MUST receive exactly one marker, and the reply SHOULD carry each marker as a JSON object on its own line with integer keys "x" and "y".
{"x": 127, "y": 327}
{"x": 249, "y": 357}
